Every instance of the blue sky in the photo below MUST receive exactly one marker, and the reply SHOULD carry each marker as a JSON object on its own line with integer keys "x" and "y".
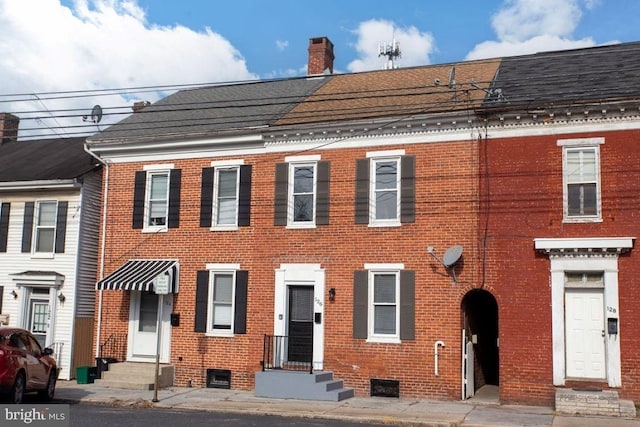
{"x": 52, "y": 46}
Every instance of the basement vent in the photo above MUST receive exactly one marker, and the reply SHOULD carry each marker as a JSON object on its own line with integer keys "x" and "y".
{"x": 218, "y": 378}
{"x": 385, "y": 388}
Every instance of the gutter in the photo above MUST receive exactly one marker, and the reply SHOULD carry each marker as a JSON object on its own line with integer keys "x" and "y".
{"x": 53, "y": 184}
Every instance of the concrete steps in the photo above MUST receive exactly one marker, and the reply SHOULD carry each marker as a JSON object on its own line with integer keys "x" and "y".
{"x": 136, "y": 376}
{"x": 593, "y": 402}
{"x": 282, "y": 384}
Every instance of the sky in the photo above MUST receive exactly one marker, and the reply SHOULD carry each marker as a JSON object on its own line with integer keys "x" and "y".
{"x": 59, "y": 58}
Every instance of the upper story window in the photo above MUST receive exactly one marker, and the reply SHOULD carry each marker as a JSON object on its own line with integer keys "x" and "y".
{"x": 225, "y": 199}
{"x": 44, "y": 227}
{"x": 384, "y": 303}
{"x": 221, "y": 300}
{"x": 581, "y": 179}
{"x": 385, "y": 189}
{"x": 156, "y": 204}
{"x": 302, "y": 192}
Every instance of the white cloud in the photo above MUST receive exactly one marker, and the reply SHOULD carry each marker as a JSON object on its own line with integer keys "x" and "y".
{"x": 97, "y": 44}
{"x": 415, "y": 46}
{"x": 527, "y": 26}
{"x": 282, "y": 45}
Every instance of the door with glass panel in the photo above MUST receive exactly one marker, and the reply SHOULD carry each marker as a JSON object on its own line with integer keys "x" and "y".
{"x": 38, "y": 318}
{"x": 150, "y": 315}
{"x": 300, "y": 344}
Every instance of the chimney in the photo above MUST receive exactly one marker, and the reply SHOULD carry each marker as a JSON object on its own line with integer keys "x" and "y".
{"x": 8, "y": 127}
{"x": 320, "y": 56}
{"x": 139, "y": 106}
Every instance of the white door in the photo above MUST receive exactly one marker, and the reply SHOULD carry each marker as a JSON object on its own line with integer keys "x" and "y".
{"x": 585, "y": 334}
{"x": 468, "y": 385}
{"x": 146, "y": 310}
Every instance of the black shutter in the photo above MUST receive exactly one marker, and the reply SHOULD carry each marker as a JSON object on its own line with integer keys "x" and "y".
{"x": 281, "y": 196}
{"x": 4, "y": 226}
{"x": 27, "y": 227}
{"x": 61, "y": 226}
{"x": 360, "y": 303}
{"x": 362, "y": 191}
{"x": 174, "y": 198}
{"x": 206, "y": 197}
{"x": 407, "y": 305}
{"x": 322, "y": 199}
{"x": 244, "y": 202}
{"x": 202, "y": 296}
{"x": 138, "y": 199}
{"x": 1, "y": 297}
{"x": 240, "y": 319}
{"x": 408, "y": 189}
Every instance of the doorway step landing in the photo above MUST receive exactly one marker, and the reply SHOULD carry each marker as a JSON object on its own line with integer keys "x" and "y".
{"x": 136, "y": 376}
{"x": 320, "y": 385}
{"x": 593, "y": 402}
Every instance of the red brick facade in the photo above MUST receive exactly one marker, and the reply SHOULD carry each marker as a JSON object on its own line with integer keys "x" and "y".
{"x": 522, "y": 199}
{"x": 445, "y": 214}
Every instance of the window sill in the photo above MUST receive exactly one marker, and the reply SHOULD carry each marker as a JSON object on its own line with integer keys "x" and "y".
{"x": 301, "y": 226}
{"x": 225, "y": 228}
{"x": 219, "y": 334}
{"x": 384, "y": 224}
{"x": 578, "y": 220}
{"x": 383, "y": 340}
{"x": 43, "y": 255}
{"x": 155, "y": 230}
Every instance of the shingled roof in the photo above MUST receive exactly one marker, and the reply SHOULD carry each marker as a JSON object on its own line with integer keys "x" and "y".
{"x": 44, "y": 160}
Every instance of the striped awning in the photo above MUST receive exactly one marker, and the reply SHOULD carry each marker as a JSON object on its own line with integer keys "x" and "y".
{"x": 141, "y": 275}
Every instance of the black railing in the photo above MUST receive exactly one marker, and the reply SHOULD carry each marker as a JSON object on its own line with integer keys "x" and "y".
{"x": 114, "y": 347}
{"x": 287, "y": 353}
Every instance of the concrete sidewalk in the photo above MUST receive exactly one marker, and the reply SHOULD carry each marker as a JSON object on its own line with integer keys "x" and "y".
{"x": 415, "y": 412}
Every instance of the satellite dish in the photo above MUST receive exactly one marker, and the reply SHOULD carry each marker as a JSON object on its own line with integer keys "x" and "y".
{"x": 96, "y": 115}
{"x": 452, "y": 255}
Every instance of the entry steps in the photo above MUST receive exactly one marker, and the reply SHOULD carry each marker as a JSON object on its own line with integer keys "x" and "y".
{"x": 283, "y": 384}
{"x": 593, "y": 402}
{"x": 136, "y": 376}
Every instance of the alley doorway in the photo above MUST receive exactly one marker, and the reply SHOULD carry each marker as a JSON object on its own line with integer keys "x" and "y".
{"x": 480, "y": 332}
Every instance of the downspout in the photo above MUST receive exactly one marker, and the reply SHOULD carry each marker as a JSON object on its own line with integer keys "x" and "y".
{"x": 435, "y": 350}
{"x": 103, "y": 245}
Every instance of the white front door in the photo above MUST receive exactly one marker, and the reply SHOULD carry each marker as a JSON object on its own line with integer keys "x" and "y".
{"x": 585, "y": 334}
{"x": 149, "y": 314}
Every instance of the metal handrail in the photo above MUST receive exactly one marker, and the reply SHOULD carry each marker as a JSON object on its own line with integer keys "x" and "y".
{"x": 283, "y": 352}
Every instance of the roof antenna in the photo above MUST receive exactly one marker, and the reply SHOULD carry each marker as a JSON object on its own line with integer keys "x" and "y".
{"x": 391, "y": 51}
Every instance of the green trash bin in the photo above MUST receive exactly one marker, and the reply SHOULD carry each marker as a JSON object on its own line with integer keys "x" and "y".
{"x": 86, "y": 374}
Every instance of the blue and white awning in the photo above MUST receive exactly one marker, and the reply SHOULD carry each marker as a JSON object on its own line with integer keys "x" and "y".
{"x": 141, "y": 275}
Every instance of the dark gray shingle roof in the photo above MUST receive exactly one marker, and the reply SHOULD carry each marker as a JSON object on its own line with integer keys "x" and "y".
{"x": 206, "y": 111}
{"x": 571, "y": 76}
{"x": 44, "y": 159}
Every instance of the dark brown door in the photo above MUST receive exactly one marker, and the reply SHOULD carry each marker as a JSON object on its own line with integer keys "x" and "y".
{"x": 300, "y": 348}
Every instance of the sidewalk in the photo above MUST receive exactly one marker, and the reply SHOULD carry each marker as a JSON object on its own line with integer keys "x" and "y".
{"x": 415, "y": 412}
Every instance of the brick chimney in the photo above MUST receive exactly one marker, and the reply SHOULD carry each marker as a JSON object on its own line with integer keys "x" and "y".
{"x": 8, "y": 127}
{"x": 320, "y": 56}
{"x": 139, "y": 106}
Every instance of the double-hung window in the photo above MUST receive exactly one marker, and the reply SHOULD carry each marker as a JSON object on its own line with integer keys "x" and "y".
{"x": 221, "y": 300}
{"x": 156, "y": 199}
{"x": 302, "y": 192}
{"x": 581, "y": 176}
{"x": 45, "y": 226}
{"x": 384, "y": 303}
{"x": 385, "y": 189}
{"x": 225, "y": 199}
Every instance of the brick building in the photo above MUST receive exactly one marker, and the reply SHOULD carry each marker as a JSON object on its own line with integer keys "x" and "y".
{"x": 290, "y": 220}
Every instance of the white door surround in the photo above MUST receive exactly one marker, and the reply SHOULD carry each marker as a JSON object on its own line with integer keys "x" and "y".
{"x": 301, "y": 275}
{"x": 584, "y": 255}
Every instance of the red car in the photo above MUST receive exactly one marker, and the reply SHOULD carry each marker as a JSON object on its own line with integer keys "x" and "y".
{"x": 25, "y": 366}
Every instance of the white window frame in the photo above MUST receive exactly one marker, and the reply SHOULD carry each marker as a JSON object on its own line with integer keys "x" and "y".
{"x": 37, "y": 228}
{"x": 221, "y": 269}
{"x": 147, "y": 200}
{"x": 291, "y": 222}
{"x": 573, "y": 145}
{"x": 216, "y": 189}
{"x": 372, "y": 336}
{"x": 374, "y": 159}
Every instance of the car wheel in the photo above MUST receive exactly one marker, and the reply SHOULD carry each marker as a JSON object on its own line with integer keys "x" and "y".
{"x": 17, "y": 391}
{"x": 47, "y": 393}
